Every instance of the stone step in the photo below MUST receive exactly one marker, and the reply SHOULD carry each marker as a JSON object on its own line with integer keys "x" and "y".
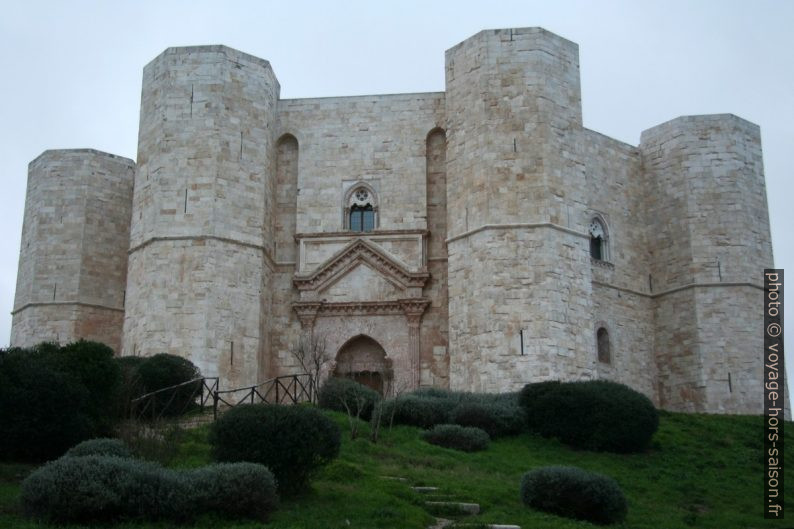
{"x": 425, "y": 490}
{"x": 441, "y": 523}
{"x": 395, "y": 478}
{"x": 454, "y": 506}
{"x": 488, "y": 526}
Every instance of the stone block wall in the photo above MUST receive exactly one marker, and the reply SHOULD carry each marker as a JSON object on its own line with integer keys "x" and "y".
{"x": 708, "y": 239}
{"x": 622, "y": 300}
{"x": 518, "y": 252}
{"x": 478, "y": 275}
{"x": 202, "y": 224}
{"x": 73, "y": 260}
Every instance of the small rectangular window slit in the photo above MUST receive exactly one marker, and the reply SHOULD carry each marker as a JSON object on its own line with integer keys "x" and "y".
{"x": 231, "y": 356}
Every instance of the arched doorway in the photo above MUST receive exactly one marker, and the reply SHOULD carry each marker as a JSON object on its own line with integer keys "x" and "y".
{"x": 363, "y": 359}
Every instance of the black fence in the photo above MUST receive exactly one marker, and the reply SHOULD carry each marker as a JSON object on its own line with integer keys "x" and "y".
{"x": 199, "y": 394}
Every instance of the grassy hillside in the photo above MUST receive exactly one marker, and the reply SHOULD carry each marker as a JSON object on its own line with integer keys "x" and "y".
{"x": 702, "y": 471}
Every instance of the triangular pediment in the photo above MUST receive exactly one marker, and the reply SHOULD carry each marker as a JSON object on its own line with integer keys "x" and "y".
{"x": 358, "y": 252}
{"x": 361, "y": 283}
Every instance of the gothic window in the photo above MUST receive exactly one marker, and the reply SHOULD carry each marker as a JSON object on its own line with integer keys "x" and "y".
{"x": 602, "y": 340}
{"x": 362, "y": 218}
{"x": 361, "y": 210}
{"x": 598, "y": 240}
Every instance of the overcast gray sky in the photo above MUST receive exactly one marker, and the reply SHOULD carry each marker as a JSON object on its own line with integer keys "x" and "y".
{"x": 71, "y": 71}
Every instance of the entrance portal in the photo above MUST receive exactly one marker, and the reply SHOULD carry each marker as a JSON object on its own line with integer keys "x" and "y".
{"x": 363, "y": 359}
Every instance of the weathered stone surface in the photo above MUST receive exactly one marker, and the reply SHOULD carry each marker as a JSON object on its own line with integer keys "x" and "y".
{"x": 73, "y": 261}
{"x": 477, "y": 274}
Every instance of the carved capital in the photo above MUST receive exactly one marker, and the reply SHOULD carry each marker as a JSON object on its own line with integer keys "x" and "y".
{"x": 414, "y": 308}
{"x": 307, "y": 312}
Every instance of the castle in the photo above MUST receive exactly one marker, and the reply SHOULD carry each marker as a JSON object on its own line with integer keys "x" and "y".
{"x": 478, "y": 238}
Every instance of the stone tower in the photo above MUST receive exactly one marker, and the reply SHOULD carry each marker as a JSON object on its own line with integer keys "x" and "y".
{"x": 73, "y": 260}
{"x": 516, "y": 224}
{"x": 709, "y": 241}
{"x": 199, "y": 278}
{"x": 478, "y": 238}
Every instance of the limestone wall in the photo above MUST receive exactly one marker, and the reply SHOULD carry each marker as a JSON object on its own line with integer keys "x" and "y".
{"x": 518, "y": 252}
{"x": 202, "y": 242}
{"x": 73, "y": 262}
{"x": 377, "y": 139}
{"x": 709, "y": 240}
{"x": 621, "y": 297}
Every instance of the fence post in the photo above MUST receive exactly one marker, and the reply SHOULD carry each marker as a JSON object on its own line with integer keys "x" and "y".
{"x": 215, "y": 405}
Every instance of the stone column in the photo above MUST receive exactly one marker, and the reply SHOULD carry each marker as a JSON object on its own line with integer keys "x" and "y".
{"x": 414, "y": 308}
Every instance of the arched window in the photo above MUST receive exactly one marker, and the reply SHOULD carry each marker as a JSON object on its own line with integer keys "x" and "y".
{"x": 602, "y": 340}
{"x": 361, "y": 208}
{"x": 598, "y": 240}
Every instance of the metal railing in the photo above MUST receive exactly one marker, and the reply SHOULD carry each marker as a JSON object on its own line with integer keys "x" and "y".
{"x": 196, "y": 394}
{"x": 288, "y": 389}
{"x": 202, "y": 392}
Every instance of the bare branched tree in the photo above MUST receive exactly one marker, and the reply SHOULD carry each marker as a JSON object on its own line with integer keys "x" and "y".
{"x": 312, "y": 355}
{"x": 391, "y": 389}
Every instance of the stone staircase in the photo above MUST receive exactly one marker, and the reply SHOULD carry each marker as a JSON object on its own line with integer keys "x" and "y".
{"x": 450, "y": 513}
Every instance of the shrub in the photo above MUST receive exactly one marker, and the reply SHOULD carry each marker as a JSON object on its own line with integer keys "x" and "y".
{"x": 497, "y": 413}
{"x": 236, "y": 490}
{"x": 163, "y": 371}
{"x": 111, "y": 489}
{"x": 348, "y": 396}
{"x": 131, "y": 385}
{"x": 103, "y": 489}
{"x": 574, "y": 493}
{"x": 496, "y": 418}
{"x": 457, "y": 437}
{"x": 100, "y": 447}
{"x": 292, "y": 441}
{"x": 93, "y": 364}
{"x": 594, "y": 415}
{"x": 42, "y": 409}
{"x": 415, "y": 410}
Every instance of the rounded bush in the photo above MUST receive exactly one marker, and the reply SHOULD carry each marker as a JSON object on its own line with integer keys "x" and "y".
{"x": 163, "y": 371}
{"x": 496, "y": 418}
{"x": 348, "y": 396}
{"x": 292, "y": 441}
{"x": 574, "y": 493}
{"x": 131, "y": 385}
{"x": 234, "y": 490}
{"x": 457, "y": 437}
{"x": 593, "y": 415}
{"x": 100, "y": 447}
{"x": 103, "y": 489}
{"x": 94, "y": 365}
{"x": 414, "y": 410}
{"x": 42, "y": 410}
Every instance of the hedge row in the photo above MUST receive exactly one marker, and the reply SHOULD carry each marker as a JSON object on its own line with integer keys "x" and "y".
{"x": 592, "y": 415}
{"x": 85, "y": 489}
{"x": 498, "y": 414}
{"x": 52, "y": 397}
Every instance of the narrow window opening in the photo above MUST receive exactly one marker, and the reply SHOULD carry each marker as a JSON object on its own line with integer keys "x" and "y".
{"x": 598, "y": 240}
{"x": 602, "y": 339}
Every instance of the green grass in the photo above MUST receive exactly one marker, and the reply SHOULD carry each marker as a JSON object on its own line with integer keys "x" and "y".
{"x": 702, "y": 471}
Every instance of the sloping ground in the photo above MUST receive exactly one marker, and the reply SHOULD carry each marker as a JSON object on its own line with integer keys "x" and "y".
{"x": 702, "y": 471}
